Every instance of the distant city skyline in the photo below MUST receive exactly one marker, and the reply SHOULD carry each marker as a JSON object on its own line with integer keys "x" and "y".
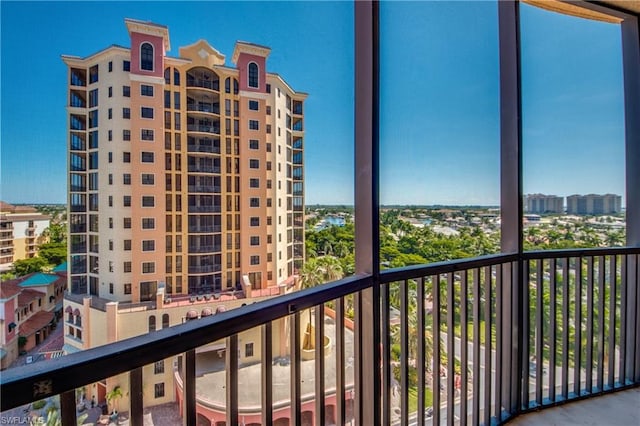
{"x": 439, "y": 81}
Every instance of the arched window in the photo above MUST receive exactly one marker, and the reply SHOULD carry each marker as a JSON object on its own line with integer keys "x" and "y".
{"x": 253, "y": 75}
{"x": 176, "y": 77}
{"x": 167, "y": 76}
{"x": 152, "y": 323}
{"x": 235, "y": 87}
{"x": 165, "y": 320}
{"x": 227, "y": 85}
{"x": 146, "y": 57}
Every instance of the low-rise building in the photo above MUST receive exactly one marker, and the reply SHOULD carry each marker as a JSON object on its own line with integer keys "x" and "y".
{"x": 30, "y": 307}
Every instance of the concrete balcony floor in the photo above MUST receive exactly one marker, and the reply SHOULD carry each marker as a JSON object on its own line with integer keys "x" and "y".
{"x": 616, "y": 409}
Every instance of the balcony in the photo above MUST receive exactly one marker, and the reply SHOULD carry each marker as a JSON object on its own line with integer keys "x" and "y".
{"x": 212, "y": 108}
{"x": 207, "y": 189}
{"x": 204, "y": 83}
{"x": 203, "y": 269}
{"x": 204, "y": 128}
{"x": 210, "y": 146}
{"x": 204, "y": 249}
{"x": 205, "y": 209}
{"x": 414, "y": 302}
{"x": 203, "y": 168}
{"x": 205, "y": 228}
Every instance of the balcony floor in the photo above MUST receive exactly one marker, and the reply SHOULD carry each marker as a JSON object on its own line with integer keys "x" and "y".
{"x": 617, "y": 409}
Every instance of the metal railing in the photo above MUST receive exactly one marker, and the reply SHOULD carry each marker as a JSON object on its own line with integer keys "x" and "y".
{"x": 482, "y": 340}
{"x": 205, "y": 128}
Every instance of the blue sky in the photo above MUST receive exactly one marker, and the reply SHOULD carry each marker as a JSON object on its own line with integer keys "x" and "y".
{"x": 439, "y": 130}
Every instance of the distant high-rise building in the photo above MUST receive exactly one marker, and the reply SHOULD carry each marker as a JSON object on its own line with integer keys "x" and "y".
{"x": 541, "y": 204}
{"x": 182, "y": 170}
{"x": 594, "y": 204}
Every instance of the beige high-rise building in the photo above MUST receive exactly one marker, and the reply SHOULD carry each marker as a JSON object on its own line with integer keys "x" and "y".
{"x": 541, "y": 204}
{"x": 594, "y": 204}
{"x": 184, "y": 171}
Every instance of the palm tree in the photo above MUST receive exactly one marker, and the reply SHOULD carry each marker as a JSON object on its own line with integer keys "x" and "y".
{"x": 317, "y": 271}
{"x": 113, "y": 396}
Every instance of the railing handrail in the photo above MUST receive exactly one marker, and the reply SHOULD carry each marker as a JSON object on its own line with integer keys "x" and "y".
{"x": 564, "y": 253}
{"x": 91, "y": 365}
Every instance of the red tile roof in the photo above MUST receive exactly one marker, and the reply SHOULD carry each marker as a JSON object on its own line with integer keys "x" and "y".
{"x": 35, "y": 323}
{"x": 27, "y": 296}
{"x": 9, "y": 289}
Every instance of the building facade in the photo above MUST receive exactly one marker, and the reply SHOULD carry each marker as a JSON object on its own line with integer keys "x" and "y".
{"x": 30, "y": 307}
{"x": 184, "y": 172}
{"x": 542, "y": 204}
{"x": 594, "y": 204}
{"x": 21, "y": 229}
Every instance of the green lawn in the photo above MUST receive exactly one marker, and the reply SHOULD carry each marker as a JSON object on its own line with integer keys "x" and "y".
{"x": 413, "y": 398}
{"x": 458, "y": 332}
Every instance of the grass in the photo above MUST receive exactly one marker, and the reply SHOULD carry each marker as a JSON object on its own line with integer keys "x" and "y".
{"x": 413, "y": 398}
{"x": 457, "y": 329}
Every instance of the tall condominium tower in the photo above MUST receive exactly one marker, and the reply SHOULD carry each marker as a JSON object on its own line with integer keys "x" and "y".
{"x": 594, "y": 204}
{"x": 541, "y": 204}
{"x": 184, "y": 172}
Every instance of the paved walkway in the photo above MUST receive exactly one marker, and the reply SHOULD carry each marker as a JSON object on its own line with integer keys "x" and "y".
{"x": 616, "y": 409}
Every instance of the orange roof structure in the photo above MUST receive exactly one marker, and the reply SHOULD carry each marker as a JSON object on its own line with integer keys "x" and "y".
{"x": 36, "y": 323}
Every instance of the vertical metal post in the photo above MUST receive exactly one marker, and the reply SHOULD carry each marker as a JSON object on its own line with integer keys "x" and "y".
{"x": 451, "y": 353}
{"x": 135, "y": 393}
{"x": 553, "y": 293}
{"x": 368, "y": 372}
{"x": 511, "y": 188}
{"x": 404, "y": 351}
{"x": 578, "y": 327}
{"x": 267, "y": 373}
{"x": 435, "y": 285}
{"x": 294, "y": 353}
{"x": 565, "y": 328}
{"x": 68, "y": 408}
{"x": 601, "y": 321}
{"x": 421, "y": 364}
{"x": 340, "y": 405}
{"x": 488, "y": 345}
{"x": 477, "y": 343}
{"x": 232, "y": 380}
{"x": 319, "y": 364}
{"x": 526, "y": 339}
{"x": 589, "y": 358}
{"x": 464, "y": 356}
{"x": 613, "y": 314}
{"x": 385, "y": 341}
{"x": 631, "y": 72}
{"x": 190, "y": 387}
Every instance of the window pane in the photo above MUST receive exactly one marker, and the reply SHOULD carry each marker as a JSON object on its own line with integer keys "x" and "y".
{"x": 573, "y": 130}
{"x": 439, "y": 130}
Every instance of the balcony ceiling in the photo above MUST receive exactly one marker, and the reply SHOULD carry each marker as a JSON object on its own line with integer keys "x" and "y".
{"x": 630, "y": 5}
{"x": 575, "y": 9}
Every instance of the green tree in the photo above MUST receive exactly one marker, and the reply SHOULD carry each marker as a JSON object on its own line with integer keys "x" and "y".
{"x": 316, "y": 271}
{"x": 56, "y": 232}
{"x": 113, "y": 396}
{"x": 27, "y": 266}
{"x": 53, "y": 253}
